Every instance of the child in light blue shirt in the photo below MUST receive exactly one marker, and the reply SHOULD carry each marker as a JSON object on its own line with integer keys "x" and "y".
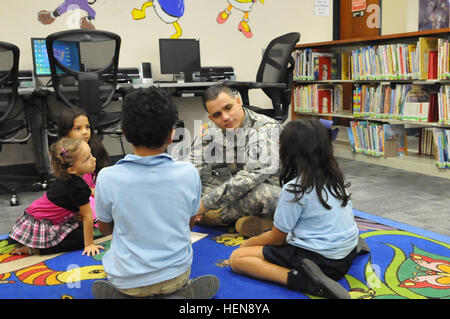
{"x": 148, "y": 202}
{"x": 314, "y": 238}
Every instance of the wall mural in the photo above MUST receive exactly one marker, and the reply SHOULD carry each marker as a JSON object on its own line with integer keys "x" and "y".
{"x": 85, "y": 22}
{"x": 169, "y": 11}
{"x": 242, "y": 5}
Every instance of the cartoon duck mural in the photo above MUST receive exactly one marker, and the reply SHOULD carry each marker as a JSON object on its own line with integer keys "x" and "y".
{"x": 169, "y": 11}
{"x": 244, "y": 6}
{"x": 47, "y": 17}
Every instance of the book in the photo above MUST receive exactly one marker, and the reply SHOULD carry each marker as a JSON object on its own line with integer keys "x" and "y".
{"x": 324, "y": 68}
{"x": 425, "y": 46}
{"x": 396, "y": 132}
{"x": 324, "y": 100}
{"x": 345, "y": 66}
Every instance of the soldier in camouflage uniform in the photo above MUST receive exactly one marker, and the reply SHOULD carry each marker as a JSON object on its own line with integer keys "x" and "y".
{"x": 236, "y": 155}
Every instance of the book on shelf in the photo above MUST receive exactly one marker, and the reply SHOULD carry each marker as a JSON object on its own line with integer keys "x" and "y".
{"x": 444, "y": 104}
{"x": 442, "y": 144}
{"x": 324, "y": 100}
{"x": 396, "y": 132}
{"x": 374, "y": 139}
{"x": 338, "y": 99}
{"x": 426, "y": 142}
{"x": 324, "y": 65}
{"x": 314, "y": 98}
{"x": 417, "y": 105}
{"x": 443, "y": 60}
{"x": 313, "y": 64}
{"x": 345, "y": 66}
{"x": 425, "y": 45}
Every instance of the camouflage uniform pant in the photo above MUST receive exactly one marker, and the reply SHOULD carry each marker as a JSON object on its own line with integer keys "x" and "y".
{"x": 260, "y": 201}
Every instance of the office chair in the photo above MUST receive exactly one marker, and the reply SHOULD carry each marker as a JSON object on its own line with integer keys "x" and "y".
{"x": 274, "y": 77}
{"x": 88, "y": 80}
{"x": 10, "y": 126}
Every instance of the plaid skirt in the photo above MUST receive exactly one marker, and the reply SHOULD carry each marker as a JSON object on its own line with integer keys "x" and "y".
{"x": 40, "y": 233}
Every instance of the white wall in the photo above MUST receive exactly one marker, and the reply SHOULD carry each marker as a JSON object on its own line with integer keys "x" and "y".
{"x": 220, "y": 45}
{"x": 400, "y": 16}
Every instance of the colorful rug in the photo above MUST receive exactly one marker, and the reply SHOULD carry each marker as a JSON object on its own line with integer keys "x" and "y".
{"x": 405, "y": 263}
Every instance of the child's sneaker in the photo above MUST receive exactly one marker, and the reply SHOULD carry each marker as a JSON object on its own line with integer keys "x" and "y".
{"x": 250, "y": 226}
{"x": 203, "y": 287}
{"x": 103, "y": 289}
{"x": 322, "y": 285}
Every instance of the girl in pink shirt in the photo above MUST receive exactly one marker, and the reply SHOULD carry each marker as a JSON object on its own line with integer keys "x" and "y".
{"x": 75, "y": 123}
{"x": 51, "y": 224}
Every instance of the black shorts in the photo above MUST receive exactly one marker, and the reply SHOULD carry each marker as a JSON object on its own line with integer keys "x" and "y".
{"x": 289, "y": 256}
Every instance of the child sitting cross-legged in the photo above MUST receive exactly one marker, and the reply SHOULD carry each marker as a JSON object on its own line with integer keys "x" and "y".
{"x": 148, "y": 201}
{"x": 314, "y": 238}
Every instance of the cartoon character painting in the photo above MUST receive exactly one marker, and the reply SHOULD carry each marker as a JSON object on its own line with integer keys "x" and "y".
{"x": 244, "y": 6}
{"x": 169, "y": 11}
{"x": 47, "y": 17}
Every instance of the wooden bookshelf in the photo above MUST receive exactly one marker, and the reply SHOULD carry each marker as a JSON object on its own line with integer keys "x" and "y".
{"x": 412, "y": 162}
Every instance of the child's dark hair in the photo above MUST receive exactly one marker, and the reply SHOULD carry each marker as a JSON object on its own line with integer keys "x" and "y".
{"x": 306, "y": 153}
{"x": 148, "y": 116}
{"x": 63, "y": 154}
{"x": 65, "y": 125}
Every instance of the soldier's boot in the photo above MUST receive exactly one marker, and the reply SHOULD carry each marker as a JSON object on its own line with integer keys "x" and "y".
{"x": 212, "y": 217}
{"x": 250, "y": 226}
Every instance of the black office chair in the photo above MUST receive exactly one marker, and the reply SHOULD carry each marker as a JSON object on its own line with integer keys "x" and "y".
{"x": 274, "y": 77}
{"x": 89, "y": 81}
{"x": 11, "y": 127}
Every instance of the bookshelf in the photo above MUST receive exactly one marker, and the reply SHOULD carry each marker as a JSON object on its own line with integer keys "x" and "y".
{"x": 383, "y": 81}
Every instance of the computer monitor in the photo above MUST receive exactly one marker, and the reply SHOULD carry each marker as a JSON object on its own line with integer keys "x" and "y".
{"x": 179, "y": 56}
{"x": 68, "y": 53}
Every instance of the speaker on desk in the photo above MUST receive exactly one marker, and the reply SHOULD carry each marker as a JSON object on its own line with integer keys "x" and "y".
{"x": 146, "y": 72}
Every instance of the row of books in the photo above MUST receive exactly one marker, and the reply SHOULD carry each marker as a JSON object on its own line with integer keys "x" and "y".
{"x": 401, "y": 102}
{"x": 443, "y": 70}
{"x": 428, "y": 58}
{"x": 316, "y": 65}
{"x": 444, "y": 105}
{"x": 426, "y": 141}
{"x": 442, "y": 142}
{"x": 315, "y": 98}
{"x": 407, "y": 102}
{"x": 374, "y": 139}
{"x": 386, "y": 62}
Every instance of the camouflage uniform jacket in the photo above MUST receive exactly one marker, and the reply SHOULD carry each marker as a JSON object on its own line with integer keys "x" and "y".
{"x": 251, "y": 158}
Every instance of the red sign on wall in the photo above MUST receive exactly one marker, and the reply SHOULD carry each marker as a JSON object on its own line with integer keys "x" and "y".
{"x": 358, "y": 5}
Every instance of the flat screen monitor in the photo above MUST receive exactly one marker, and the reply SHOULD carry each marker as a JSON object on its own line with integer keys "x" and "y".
{"x": 68, "y": 53}
{"x": 179, "y": 56}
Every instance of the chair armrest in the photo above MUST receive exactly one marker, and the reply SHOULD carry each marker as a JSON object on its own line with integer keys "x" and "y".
{"x": 236, "y": 84}
{"x": 268, "y": 85}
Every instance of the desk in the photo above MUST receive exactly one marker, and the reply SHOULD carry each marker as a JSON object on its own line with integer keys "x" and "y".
{"x": 36, "y": 100}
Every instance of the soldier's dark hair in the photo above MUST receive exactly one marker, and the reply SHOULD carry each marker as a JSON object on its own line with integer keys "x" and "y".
{"x": 148, "y": 116}
{"x": 213, "y": 92}
{"x": 306, "y": 154}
